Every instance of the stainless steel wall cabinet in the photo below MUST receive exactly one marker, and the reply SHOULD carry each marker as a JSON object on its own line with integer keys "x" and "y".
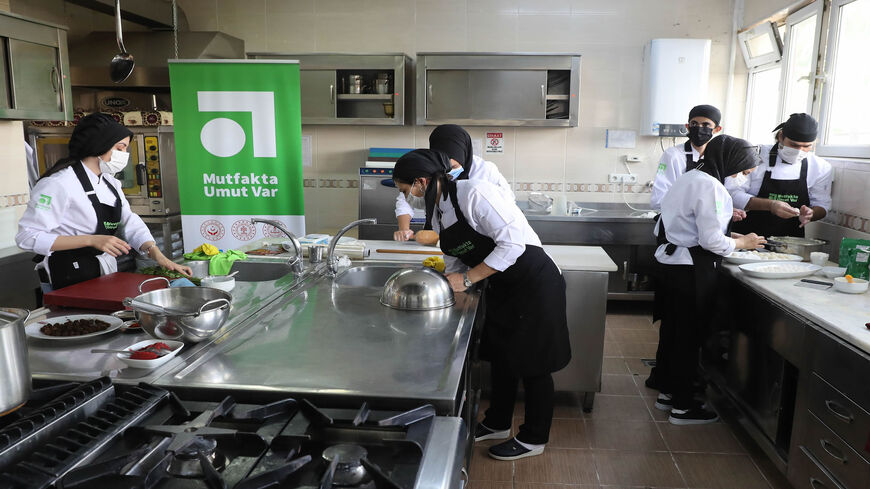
{"x": 366, "y": 89}
{"x": 484, "y": 89}
{"x": 34, "y": 83}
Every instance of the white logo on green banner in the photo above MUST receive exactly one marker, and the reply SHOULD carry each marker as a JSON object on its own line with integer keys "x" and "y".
{"x": 238, "y": 148}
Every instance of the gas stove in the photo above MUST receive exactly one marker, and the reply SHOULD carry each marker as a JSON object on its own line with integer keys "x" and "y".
{"x": 98, "y": 435}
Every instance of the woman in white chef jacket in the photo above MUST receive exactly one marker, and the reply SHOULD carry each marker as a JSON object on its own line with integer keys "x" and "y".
{"x": 77, "y": 207}
{"x": 525, "y": 337}
{"x": 455, "y": 142}
{"x": 693, "y": 237}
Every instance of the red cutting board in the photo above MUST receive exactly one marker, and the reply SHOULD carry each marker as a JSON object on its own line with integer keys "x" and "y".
{"x": 105, "y": 293}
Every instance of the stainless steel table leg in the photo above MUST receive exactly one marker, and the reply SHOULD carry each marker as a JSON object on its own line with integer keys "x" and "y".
{"x": 588, "y": 399}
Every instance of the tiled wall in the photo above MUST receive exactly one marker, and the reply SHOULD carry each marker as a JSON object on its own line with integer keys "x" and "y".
{"x": 609, "y": 35}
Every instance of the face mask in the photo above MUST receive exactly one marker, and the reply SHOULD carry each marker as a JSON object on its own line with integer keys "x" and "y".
{"x": 117, "y": 163}
{"x": 699, "y": 135}
{"x": 454, "y": 174}
{"x": 414, "y": 201}
{"x": 740, "y": 179}
{"x": 791, "y": 155}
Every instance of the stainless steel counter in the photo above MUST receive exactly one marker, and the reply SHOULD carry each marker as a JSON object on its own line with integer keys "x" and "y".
{"x": 73, "y": 360}
{"x": 339, "y": 341}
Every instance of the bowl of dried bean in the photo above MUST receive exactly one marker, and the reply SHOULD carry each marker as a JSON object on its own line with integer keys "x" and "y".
{"x": 150, "y": 353}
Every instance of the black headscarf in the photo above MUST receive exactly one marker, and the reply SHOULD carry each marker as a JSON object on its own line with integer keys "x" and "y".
{"x": 726, "y": 155}
{"x": 424, "y": 163}
{"x": 94, "y": 135}
{"x": 454, "y": 141}
{"x": 801, "y": 128}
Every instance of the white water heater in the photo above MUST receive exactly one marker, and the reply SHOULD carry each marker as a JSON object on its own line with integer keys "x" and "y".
{"x": 676, "y": 73}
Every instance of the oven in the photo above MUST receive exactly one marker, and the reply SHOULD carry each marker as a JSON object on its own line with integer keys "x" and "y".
{"x": 149, "y": 182}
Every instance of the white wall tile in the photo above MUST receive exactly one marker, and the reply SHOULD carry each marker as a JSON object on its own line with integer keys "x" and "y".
{"x": 389, "y": 137}
{"x": 492, "y": 6}
{"x": 340, "y": 151}
{"x": 492, "y": 32}
{"x": 540, "y": 154}
{"x": 290, "y": 32}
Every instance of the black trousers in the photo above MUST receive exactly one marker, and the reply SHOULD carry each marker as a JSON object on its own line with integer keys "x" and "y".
{"x": 680, "y": 335}
{"x": 539, "y": 404}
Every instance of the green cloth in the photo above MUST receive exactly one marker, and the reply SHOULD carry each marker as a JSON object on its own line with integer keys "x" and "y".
{"x": 196, "y": 255}
{"x": 219, "y": 264}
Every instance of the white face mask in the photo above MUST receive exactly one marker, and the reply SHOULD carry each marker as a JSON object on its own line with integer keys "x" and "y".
{"x": 740, "y": 179}
{"x": 414, "y": 201}
{"x": 117, "y": 163}
{"x": 791, "y": 155}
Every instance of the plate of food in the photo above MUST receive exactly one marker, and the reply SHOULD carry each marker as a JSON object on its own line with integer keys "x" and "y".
{"x": 73, "y": 327}
{"x": 779, "y": 269}
{"x": 741, "y": 257}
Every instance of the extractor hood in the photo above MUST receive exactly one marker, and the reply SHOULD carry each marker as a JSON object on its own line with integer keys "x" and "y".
{"x": 89, "y": 58}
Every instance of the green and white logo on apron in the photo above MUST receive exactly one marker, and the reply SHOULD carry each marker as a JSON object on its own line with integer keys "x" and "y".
{"x": 238, "y": 148}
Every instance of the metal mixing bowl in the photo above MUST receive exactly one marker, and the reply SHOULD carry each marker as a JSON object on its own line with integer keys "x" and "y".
{"x": 417, "y": 289}
{"x": 201, "y": 311}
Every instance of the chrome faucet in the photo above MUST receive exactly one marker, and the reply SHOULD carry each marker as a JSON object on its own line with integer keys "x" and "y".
{"x": 295, "y": 263}
{"x": 331, "y": 262}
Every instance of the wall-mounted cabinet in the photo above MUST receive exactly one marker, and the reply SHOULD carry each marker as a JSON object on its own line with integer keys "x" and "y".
{"x": 351, "y": 88}
{"x": 477, "y": 89}
{"x": 35, "y": 80}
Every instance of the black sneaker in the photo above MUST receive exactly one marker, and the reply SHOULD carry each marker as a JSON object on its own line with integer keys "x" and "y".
{"x": 512, "y": 450}
{"x": 484, "y": 433}
{"x": 695, "y": 415}
{"x": 664, "y": 402}
{"x": 651, "y": 382}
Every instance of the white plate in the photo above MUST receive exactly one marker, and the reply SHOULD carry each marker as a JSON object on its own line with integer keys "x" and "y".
{"x": 741, "y": 257}
{"x": 33, "y": 331}
{"x": 175, "y": 345}
{"x": 779, "y": 269}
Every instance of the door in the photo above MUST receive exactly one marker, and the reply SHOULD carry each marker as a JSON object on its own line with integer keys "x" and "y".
{"x": 35, "y": 76}
{"x": 317, "y": 92}
{"x": 508, "y": 94}
{"x": 486, "y": 94}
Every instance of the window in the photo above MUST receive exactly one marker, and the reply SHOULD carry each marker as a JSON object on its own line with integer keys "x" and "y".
{"x": 845, "y": 131}
{"x": 801, "y": 43}
{"x": 760, "y": 45}
{"x": 762, "y": 109}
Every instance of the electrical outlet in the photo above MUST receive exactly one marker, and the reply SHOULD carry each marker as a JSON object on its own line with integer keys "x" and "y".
{"x": 622, "y": 178}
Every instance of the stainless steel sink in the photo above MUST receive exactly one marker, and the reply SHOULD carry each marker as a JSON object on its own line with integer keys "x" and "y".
{"x": 367, "y": 275}
{"x": 249, "y": 271}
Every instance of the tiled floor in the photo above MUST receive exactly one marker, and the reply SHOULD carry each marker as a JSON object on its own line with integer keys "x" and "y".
{"x": 625, "y": 442}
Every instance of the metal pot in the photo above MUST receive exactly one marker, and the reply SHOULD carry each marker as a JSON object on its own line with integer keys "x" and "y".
{"x": 14, "y": 368}
{"x": 794, "y": 245}
{"x": 190, "y": 314}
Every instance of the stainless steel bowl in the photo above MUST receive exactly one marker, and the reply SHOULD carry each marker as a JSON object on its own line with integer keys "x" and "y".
{"x": 417, "y": 289}
{"x": 191, "y": 314}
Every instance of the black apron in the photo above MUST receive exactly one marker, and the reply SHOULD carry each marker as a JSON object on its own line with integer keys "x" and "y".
{"x": 526, "y": 325}
{"x": 794, "y": 192}
{"x": 705, "y": 268}
{"x": 70, "y": 267}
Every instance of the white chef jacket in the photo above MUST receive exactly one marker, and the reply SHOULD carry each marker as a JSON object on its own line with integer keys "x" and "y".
{"x": 69, "y": 212}
{"x": 671, "y": 166}
{"x": 819, "y": 177}
{"x": 489, "y": 211}
{"x": 480, "y": 170}
{"x": 696, "y": 211}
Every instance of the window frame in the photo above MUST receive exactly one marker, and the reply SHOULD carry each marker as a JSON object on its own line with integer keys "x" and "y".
{"x": 816, "y": 8}
{"x": 829, "y": 150}
{"x": 747, "y": 127}
{"x": 765, "y": 28}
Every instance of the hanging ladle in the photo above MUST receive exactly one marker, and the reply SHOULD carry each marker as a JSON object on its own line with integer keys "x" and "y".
{"x": 122, "y": 64}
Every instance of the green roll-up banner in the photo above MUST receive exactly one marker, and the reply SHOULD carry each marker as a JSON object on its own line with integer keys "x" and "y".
{"x": 238, "y": 148}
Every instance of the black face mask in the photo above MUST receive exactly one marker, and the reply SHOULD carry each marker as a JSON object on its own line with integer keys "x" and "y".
{"x": 699, "y": 135}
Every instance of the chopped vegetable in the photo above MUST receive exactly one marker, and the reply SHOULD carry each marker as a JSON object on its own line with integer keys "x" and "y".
{"x": 165, "y": 272}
